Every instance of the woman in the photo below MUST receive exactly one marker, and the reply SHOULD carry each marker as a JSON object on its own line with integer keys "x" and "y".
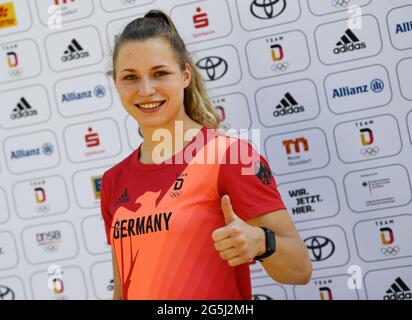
{"x": 181, "y": 228}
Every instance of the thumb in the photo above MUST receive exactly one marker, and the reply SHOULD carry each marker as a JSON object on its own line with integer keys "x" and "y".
{"x": 227, "y": 209}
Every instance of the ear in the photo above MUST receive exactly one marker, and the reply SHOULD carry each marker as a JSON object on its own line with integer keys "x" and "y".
{"x": 187, "y": 75}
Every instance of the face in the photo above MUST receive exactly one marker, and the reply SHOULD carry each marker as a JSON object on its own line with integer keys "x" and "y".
{"x": 151, "y": 83}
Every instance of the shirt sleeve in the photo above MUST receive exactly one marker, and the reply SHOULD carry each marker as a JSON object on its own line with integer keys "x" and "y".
{"x": 246, "y": 177}
{"x": 105, "y": 208}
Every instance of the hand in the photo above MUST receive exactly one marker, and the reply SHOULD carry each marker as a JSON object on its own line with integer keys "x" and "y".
{"x": 237, "y": 242}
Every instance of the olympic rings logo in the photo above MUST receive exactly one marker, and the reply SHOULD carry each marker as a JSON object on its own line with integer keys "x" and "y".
{"x": 369, "y": 152}
{"x": 390, "y": 251}
{"x": 15, "y": 73}
{"x": 51, "y": 248}
{"x": 128, "y": 2}
{"x": 175, "y": 194}
{"x": 42, "y": 209}
{"x": 280, "y": 67}
{"x": 340, "y": 3}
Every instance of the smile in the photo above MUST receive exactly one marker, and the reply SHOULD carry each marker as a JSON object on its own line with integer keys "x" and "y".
{"x": 151, "y": 106}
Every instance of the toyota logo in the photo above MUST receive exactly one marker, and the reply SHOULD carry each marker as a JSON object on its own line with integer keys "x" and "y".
{"x": 213, "y": 67}
{"x": 261, "y": 297}
{"x": 267, "y": 9}
{"x": 320, "y": 248}
{"x": 6, "y": 293}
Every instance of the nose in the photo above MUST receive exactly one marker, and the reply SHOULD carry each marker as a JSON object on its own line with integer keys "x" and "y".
{"x": 146, "y": 87}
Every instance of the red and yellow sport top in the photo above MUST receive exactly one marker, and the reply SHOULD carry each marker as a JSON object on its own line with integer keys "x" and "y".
{"x": 159, "y": 218}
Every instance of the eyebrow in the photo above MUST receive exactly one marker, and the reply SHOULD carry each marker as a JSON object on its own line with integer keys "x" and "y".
{"x": 153, "y": 68}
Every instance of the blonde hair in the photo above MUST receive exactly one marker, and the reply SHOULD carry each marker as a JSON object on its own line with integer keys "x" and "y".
{"x": 154, "y": 24}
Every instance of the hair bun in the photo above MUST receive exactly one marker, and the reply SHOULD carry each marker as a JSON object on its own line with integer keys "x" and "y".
{"x": 159, "y": 15}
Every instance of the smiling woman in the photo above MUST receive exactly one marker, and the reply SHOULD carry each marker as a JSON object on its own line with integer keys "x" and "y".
{"x": 188, "y": 230}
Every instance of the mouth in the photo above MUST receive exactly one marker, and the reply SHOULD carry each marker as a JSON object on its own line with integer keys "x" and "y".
{"x": 150, "y": 106}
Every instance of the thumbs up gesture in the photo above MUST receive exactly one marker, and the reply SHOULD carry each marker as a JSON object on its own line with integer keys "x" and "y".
{"x": 237, "y": 242}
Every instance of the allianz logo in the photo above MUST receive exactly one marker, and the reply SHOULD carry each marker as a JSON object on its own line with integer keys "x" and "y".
{"x": 376, "y": 86}
{"x": 99, "y": 91}
{"x": 46, "y": 149}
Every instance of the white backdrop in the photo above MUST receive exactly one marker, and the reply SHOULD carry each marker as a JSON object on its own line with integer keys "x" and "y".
{"x": 328, "y": 85}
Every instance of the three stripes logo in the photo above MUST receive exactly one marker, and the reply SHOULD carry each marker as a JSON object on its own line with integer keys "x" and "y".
{"x": 398, "y": 291}
{"x": 23, "y": 110}
{"x": 288, "y": 105}
{"x": 349, "y": 42}
{"x": 74, "y": 52}
{"x": 124, "y": 197}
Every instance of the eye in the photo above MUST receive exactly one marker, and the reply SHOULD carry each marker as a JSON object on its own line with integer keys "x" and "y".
{"x": 160, "y": 73}
{"x": 129, "y": 77}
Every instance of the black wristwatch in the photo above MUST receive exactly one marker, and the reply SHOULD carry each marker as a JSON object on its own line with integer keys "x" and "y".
{"x": 270, "y": 244}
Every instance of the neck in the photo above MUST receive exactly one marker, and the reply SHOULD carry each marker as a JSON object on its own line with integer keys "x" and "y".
{"x": 160, "y": 144}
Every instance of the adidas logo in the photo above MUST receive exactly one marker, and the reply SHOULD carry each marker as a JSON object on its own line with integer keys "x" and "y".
{"x": 398, "y": 291}
{"x": 348, "y": 42}
{"x": 74, "y": 51}
{"x": 123, "y": 198}
{"x": 287, "y": 105}
{"x": 23, "y": 110}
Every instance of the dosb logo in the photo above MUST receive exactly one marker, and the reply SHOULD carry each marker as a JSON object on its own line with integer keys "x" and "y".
{"x": 49, "y": 241}
{"x": 74, "y": 52}
{"x": 348, "y": 42}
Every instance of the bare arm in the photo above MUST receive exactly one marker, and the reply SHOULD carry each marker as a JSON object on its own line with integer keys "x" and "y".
{"x": 118, "y": 294}
{"x": 290, "y": 263}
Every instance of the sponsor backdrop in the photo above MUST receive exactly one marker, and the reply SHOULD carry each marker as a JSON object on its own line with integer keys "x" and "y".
{"x": 326, "y": 82}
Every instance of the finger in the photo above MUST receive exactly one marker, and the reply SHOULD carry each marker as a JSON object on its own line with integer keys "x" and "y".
{"x": 224, "y": 244}
{"x": 237, "y": 261}
{"x": 229, "y": 254}
{"x": 225, "y": 232}
{"x": 227, "y": 209}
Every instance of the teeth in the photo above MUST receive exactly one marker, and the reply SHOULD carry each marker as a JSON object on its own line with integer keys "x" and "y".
{"x": 150, "y": 105}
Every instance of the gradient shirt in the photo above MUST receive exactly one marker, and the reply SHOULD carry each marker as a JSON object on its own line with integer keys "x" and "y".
{"x": 159, "y": 218}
